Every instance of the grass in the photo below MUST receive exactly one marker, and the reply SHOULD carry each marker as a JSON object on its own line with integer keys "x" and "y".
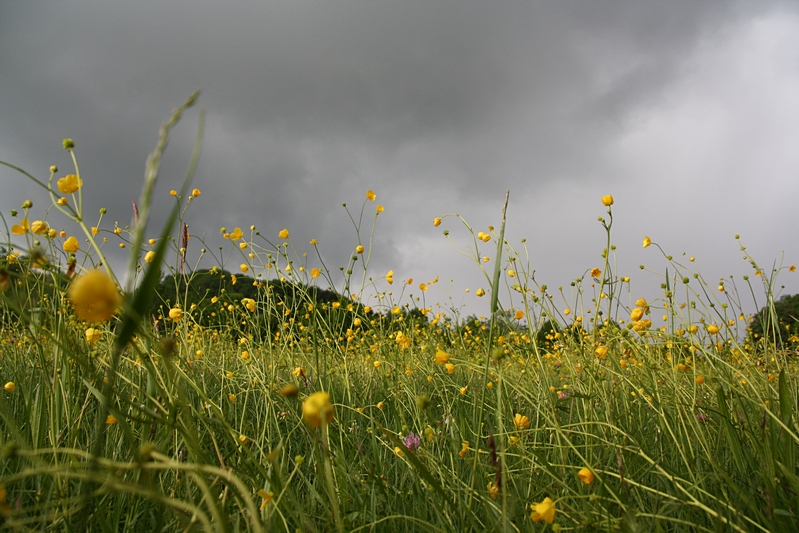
{"x": 195, "y": 422}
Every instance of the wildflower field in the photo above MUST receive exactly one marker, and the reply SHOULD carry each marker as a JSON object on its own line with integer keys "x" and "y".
{"x": 270, "y": 393}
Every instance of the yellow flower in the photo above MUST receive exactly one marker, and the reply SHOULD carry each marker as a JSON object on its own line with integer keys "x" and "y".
{"x": 712, "y": 329}
{"x": 315, "y": 272}
{"x": 38, "y": 227}
{"x": 71, "y": 245}
{"x": 442, "y": 357}
{"x": 493, "y": 490}
{"x": 792, "y": 268}
{"x": 450, "y": 368}
{"x": 647, "y": 242}
{"x": 233, "y": 279}
{"x": 464, "y": 448}
{"x": 62, "y": 201}
{"x": 196, "y": 192}
{"x": 437, "y": 222}
{"x": 390, "y": 277}
{"x": 175, "y": 314}
{"x": 94, "y": 296}
{"x": 601, "y": 351}
{"x": 317, "y": 411}
{"x": 289, "y": 391}
{"x": 380, "y": 209}
{"x": 149, "y": 257}
{"x": 313, "y": 242}
{"x": 236, "y": 234}
{"x": 403, "y": 340}
{"x": 521, "y": 422}
{"x": 110, "y": 419}
{"x": 370, "y": 195}
{"x": 284, "y": 234}
{"x": 173, "y": 192}
{"x": 299, "y": 372}
{"x": 231, "y": 397}
{"x": 69, "y": 184}
{"x": 480, "y": 292}
{"x": 511, "y": 273}
{"x": 595, "y": 272}
{"x": 380, "y": 405}
{"x": 607, "y": 201}
{"x": 700, "y": 380}
{"x": 423, "y": 286}
{"x": 21, "y": 228}
{"x": 359, "y": 249}
{"x": 9, "y": 387}
{"x": 244, "y": 268}
{"x": 546, "y": 509}
{"x": 93, "y": 335}
{"x": 249, "y": 303}
{"x": 267, "y": 496}
{"x": 641, "y": 302}
{"x": 585, "y": 475}
{"x": 519, "y": 315}
{"x": 636, "y": 314}
{"x": 463, "y": 390}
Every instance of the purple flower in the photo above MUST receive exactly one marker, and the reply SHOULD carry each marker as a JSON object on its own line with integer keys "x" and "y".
{"x": 563, "y": 395}
{"x": 701, "y": 417}
{"x": 412, "y": 441}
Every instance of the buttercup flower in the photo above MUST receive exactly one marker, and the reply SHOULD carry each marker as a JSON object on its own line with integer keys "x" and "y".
{"x": 390, "y": 277}
{"x": 175, "y": 314}
{"x": 586, "y": 476}
{"x": 317, "y": 411}
{"x": 93, "y": 335}
{"x": 236, "y": 234}
{"x": 110, "y": 419}
{"x": 437, "y": 222}
{"x": 521, "y": 422}
{"x": 149, "y": 257}
{"x": 69, "y": 184}
{"x": 196, "y": 193}
{"x": 712, "y": 329}
{"x": 21, "y": 228}
{"x": 595, "y": 272}
{"x": 370, "y": 195}
{"x": 607, "y": 201}
{"x": 9, "y": 387}
{"x": 519, "y": 315}
{"x": 359, "y": 249}
{"x": 480, "y": 292}
{"x": 244, "y": 268}
{"x": 38, "y": 227}
{"x": 543, "y": 511}
{"x": 94, "y": 296}
{"x": 380, "y": 209}
{"x": 647, "y": 242}
{"x": 71, "y": 245}
{"x": 284, "y": 234}
{"x": 442, "y": 357}
{"x": 315, "y": 272}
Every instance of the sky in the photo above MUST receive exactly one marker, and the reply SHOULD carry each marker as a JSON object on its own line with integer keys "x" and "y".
{"x": 686, "y": 112}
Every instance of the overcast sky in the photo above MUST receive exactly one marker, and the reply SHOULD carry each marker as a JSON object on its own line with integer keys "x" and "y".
{"x": 686, "y": 112}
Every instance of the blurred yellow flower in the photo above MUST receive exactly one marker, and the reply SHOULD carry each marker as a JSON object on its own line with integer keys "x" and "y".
{"x": 641, "y": 302}
{"x": 94, "y": 296}
{"x": 93, "y": 335}
{"x": 315, "y": 272}
{"x": 299, "y": 372}
{"x": 370, "y": 195}
{"x": 69, "y": 184}
{"x": 519, "y": 314}
{"x": 173, "y": 192}
{"x": 244, "y": 268}
{"x": 423, "y": 286}
{"x": 236, "y": 234}
{"x": 480, "y": 292}
{"x": 267, "y": 497}
{"x": 149, "y": 257}
{"x": 437, "y": 222}
{"x": 464, "y": 448}
{"x": 196, "y": 192}
{"x": 38, "y": 227}
{"x": 289, "y": 391}
{"x": 647, "y": 242}
{"x": 493, "y": 490}
{"x": 71, "y": 245}
{"x": 9, "y": 387}
{"x": 21, "y": 228}
{"x": 546, "y": 509}
{"x": 585, "y": 475}
{"x": 314, "y": 242}
{"x": 231, "y": 397}
{"x": 390, "y": 277}
{"x": 62, "y": 201}
{"x": 175, "y": 314}
{"x": 792, "y": 268}
{"x": 636, "y": 314}
{"x": 110, "y": 419}
{"x": 511, "y": 273}
{"x": 249, "y": 303}
{"x": 359, "y": 249}
{"x": 442, "y": 357}
{"x": 380, "y": 209}
{"x": 403, "y": 340}
{"x": 521, "y": 422}
{"x": 607, "y": 201}
{"x": 317, "y": 411}
{"x": 450, "y": 368}
{"x": 712, "y": 329}
{"x": 595, "y": 272}
{"x": 601, "y": 351}
{"x": 284, "y": 234}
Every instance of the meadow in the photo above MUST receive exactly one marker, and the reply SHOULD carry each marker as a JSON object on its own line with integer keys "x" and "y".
{"x": 271, "y": 393}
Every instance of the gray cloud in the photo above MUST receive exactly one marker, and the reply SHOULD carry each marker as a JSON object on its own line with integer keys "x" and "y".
{"x": 685, "y": 112}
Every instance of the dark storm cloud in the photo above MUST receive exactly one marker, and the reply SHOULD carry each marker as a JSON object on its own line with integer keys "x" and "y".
{"x": 439, "y": 107}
